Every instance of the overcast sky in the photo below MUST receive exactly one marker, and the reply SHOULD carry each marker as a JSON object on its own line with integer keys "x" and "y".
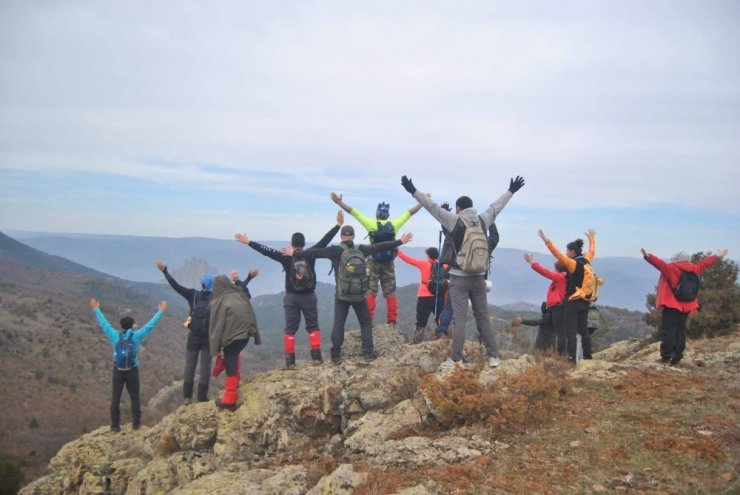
{"x": 185, "y": 118}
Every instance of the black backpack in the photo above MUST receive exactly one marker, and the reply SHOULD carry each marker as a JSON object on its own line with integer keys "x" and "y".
{"x": 300, "y": 275}
{"x": 125, "y": 354}
{"x": 200, "y": 315}
{"x": 688, "y": 286}
{"x": 439, "y": 278}
{"x": 385, "y": 232}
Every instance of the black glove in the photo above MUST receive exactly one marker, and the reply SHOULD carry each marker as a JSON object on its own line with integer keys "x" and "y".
{"x": 408, "y": 185}
{"x": 516, "y": 184}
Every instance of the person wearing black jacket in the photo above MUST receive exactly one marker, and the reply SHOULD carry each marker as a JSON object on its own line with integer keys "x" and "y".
{"x": 197, "y": 335}
{"x": 244, "y": 283}
{"x": 300, "y": 298}
{"x": 342, "y": 304}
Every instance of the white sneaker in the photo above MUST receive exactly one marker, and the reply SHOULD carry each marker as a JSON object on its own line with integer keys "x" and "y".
{"x": 494, "y": 362}
{"x": 447, "y": 365}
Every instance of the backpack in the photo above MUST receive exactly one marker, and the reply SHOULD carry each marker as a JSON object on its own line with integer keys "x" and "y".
{"x": 472, "y": 257}
{"x": 125, "y": 354}
{"x": 589, "y": 289}
{"x": 300, "y": 275}
{"x": 438, "y": 279}
{"x": 352, "y": 279}
{"x": 385, "y": 232}
{"x": 200, "y": 315}
{"x": 687, "y": 288}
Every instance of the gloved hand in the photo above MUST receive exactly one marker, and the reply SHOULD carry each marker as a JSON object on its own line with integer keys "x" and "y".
{"x": 516, "y": 184}
{"x": 408, "y": 185}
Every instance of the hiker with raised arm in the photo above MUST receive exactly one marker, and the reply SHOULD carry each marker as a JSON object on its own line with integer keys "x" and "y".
{"x": 425, "y": 296}
{"x": 234, "y": 275}
{"x": 196, "y": 349}
{"x": 581, "y": 290}
{"x": 125, "y": 343}
{"x": 232, "y": 324}
{"x": 300, "y": 290}
{"x": 468, "y": 258}
{"x": 349, "y": 263}
{"x": 676, "y": 298}
{"x": 380, "y": 266}
{"x": 551, "y": 330}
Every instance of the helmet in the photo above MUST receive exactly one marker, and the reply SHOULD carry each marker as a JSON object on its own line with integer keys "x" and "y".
{"x": 383, "y": 211}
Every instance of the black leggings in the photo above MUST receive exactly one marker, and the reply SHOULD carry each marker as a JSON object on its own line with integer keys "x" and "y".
{"x": 130, "y": 379}
{"x": 231, "y": 356}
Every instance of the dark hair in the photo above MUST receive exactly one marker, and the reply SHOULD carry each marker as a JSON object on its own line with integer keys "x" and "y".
{"x": 127, "y": 322}
{"x": 464, "y": 202}
{"x": 433, "y": 252}
{"x": 560, "y": 266}
{"x": 576, "y": 246}
{"x": 298, "y": 240}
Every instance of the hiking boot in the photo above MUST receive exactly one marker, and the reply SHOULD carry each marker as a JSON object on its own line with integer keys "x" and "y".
{"x": 115, "y": 429}
{"x": 135, "y": 426}
{"x": 290, "y": 361}
{"x": 187, "y": 401}
{"x": 316, "y": 357}
{"x": 494, "y": 362}
{"x": 418, "y": 335}
{"x": 391, "y": 324}
{"x": 370, "y": 356}
{"x": 336, "y": 360}
{"x": 449, "y": 364}
{"x": 663, "y": 360}
{"x": 675, "y": 361}
{"x": 221, "y": 405}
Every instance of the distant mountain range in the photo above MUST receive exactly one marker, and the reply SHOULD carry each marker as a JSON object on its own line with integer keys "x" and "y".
{"x": 628, "y": 280}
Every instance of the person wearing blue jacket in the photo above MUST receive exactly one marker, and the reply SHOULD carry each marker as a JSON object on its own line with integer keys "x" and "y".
{"x": 129, "y": 376}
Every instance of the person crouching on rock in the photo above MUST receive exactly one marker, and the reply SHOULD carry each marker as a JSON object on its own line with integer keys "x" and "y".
{"x": 125, "y": 361}
{"x": 232, "y": 323}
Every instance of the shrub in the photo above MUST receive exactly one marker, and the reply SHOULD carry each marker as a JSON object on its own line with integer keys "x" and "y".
{"x": 509, "y": 404}
{"x": 34, "y": 423}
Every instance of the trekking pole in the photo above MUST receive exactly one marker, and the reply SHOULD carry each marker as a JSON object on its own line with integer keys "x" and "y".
{"x": 436, "y": 282}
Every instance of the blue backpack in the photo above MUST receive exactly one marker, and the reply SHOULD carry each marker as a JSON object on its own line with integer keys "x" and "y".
{"x": 385, "y": 232}
{"x": 125, "y": 354}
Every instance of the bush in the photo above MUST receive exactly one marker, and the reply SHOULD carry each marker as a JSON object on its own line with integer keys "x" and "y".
{"x": 512, "y": 403}
{"x": 34, "y": 423}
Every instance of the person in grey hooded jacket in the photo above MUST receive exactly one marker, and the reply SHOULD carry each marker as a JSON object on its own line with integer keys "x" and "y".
{"x": 232, "y": 323}
{"x": 465, "y": 285}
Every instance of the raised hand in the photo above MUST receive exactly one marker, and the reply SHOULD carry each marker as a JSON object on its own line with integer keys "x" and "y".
{"x": 161, "y": 266}
{"x": 528, "y": 258}
{"x": 644, "y": 253}
{"x": 590, "y": 233}
{"x": 722, "y": 252}
{"x": 407, "y": 237}
{"x": 340, "y": 217}
{"x": 254, "y": 272}
{"x": 408, "y": 184}
{"x": 287, "y": 251}
{"x": 337, "y": 198}
{"x": 516, "y": 184}
{"x": 542, "y": 235}
{"x": 94, "y": 303}
{"x": 163, "y": 306}
{"x": 243, "y": 238}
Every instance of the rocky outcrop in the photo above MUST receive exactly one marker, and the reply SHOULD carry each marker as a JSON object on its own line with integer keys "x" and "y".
{"x": 354, "y": 412}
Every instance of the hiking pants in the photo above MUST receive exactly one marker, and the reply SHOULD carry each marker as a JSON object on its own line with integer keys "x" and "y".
{"x": 299, "y": 303}
{"x": 130, "y": 379}
{"x": 576, "y": 323}
{"x": 341, "y": 311}
{"x": 231, "y": 356}
{"x": 471, "y": 288}
{"x": 558, "y": 323}
{"x": 424, "y": 308}
{"x": 444, "y": 313}
{"x": 383, "y": 272}
{"x": 673, "y": 334}
{"x": 204, "y": 377}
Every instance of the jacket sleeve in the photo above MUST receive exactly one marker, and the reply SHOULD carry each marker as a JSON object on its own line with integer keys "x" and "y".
{"x": 570, "y": 264}
{"x": 327, "y": 238}
{"x": 185, "y": 292}
{"x": 532, "y": 322}
{"x": 107, "y": 328}
{"x": 370, "y": 224}
{"x": 658, "y": 263}
{"x": 545, "y": 272}
{"x": 267, "y": 251}
{"x": 141, "y": 334}
{"x": 411, "y": 261}
{"x": 400, "y": 220}
{"x": 489, "y": 216}
{"x": 368, "y": 249}
{"x": 591, "y": 247}
{"x": 447, "y": 219}
{"x": 706, "y": 263}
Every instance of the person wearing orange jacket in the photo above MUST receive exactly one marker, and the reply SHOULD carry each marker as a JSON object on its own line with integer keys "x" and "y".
{"x": 424, "y": 297}
{"x": 675, "y": 313}
{"x": 575, "y": 311}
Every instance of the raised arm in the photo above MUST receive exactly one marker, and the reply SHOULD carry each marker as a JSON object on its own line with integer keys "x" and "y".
{"x": 591, "y": 235}
{"x": 332, "y": 232}
{"x": 260, "y": 248}
{"x": 411, "y": 261}
{"x": 337, "y": 198}
{"x": 185, "y": 292}
{"x": 141, "y": 334}
{"x": 106, "y": 327}
{"x": 382, "y": 246}
{"x": 570, "y": 264}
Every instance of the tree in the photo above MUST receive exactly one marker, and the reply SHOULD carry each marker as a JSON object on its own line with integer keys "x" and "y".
{"x": 719, "y": 301}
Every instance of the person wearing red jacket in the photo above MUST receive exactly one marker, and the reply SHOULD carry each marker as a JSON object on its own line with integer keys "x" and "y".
{"x": 553, "y": 305}
{"x": 424, "y": 297}
{"x": 675, "y": 313}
